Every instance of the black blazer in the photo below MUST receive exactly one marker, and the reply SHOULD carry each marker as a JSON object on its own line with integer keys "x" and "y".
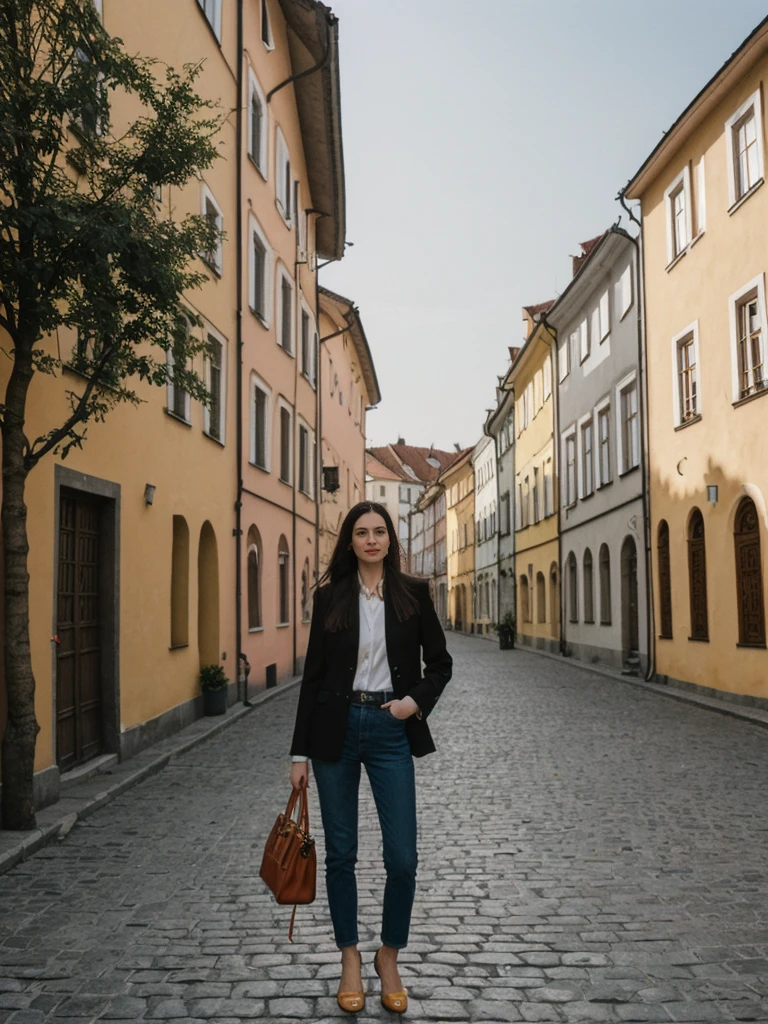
{"x": 331, "y": 664}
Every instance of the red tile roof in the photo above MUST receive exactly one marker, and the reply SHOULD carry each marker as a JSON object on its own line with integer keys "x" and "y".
{"x": 381, "y": 470}
{"x": 395, "y": 455}
{"x": 541, "y": 307}
{"x": 586, "y": 249}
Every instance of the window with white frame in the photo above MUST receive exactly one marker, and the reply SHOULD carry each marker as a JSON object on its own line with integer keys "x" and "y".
{"x": 211, "y": 210}
{"x": 259, "y": 272}
{"x": 686, "y": 374}
{"x": 605, "y": 316}
{"x": 586, "y": 337}
{"x": 744, "y": 148}
{"x": 624, "y": 287}
{"x": 261, "y": 403}
{"x": 215, "y": 378}
{"x": 629, "y": 425}
{"x": 306, "y": 452}
{"x": 549, "y": 488}
{"x": 587, "y": 458}
{"x": 547, "y": 379}
{"x": 284, "y": 181}
{"x": 266, "y": 27}
{"x": 178, "y": 403}
{"x": 677, "y": 199}
{"x": 285, "y": 310}
{"x": 536, "y": 495}
{"x": 258, "y": 125}
{"x": 212, "y": 11}
{"x": 604, "y": 443}
{"x": 564, "y": 358}
{"x": 286, "y": 441}
{"x": 569, "y": 461}
{"x": 748, "y": 339}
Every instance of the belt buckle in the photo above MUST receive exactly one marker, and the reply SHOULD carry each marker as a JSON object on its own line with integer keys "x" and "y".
{"x": 365, "y": 697}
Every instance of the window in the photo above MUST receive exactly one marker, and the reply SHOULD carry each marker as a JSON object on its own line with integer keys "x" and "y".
{"x": 589, "y": 588}
{"x": 305, "y": 345}
{"x": 587, "y": 336}
{"x": 286, "y": 433}
{"x": 697, "y": 577}
{"x": 266, "y": 28}
{"x": 285, "y": 324}
{"x": 212, "y": 11}
{"x": 214, "y": 416}
{"x": 750, "y": 328}
{"x": 605, "y": 316}
{"x": 604, "y": 441}
{"x": 382, "y": 490}
{"x": 685, "y": 359}
{"x": 260, "y": 404}
{"x": 564, "y": 358}
{"x": 570, "y": 469}
{"x": 177, "y": 398}
{"x": 257, "y": 125}
{"x": 605, "y": 586}
{"x": 254, "y": 579}
{"x": 504, "y": 516}
{"x": 749, "y": 575}
{"x": 212, "y": 213}
{"x": 536, "y": 513}
{"x": 259, "y": 272}
{"x": 284, "y": 182}
{"x": 744, "y": 148}
{"x": 587, "y": 459}
{"x": 541, "y": 597}
{"x": 525, "y": 600}
{"x": 629, "y": 432}
{"x": 549, "y": 488}
{"x": 573, "y": 589}
{"x": 678, "y": 204}
{"x": 180, "y": 583}
{"x": 665, "y": 581}
{"x": 624, "y": 293}
{"x": 306, "y": 460}
{"x": 283, "y": 611}
{"x": 527, "y": 501}
{"x": 547, "y": 379}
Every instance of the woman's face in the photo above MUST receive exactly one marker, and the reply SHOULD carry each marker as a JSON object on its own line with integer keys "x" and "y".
{"x": 370, "y": 539}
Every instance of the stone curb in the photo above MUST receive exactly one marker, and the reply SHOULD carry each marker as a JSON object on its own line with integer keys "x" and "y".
{"x": 723, "y": 707}
{"x": 82, "y": 799}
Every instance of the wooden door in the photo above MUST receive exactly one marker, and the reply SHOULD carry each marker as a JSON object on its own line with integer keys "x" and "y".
{"x": 629, "y": 597}
{"x": 79, "y": 713}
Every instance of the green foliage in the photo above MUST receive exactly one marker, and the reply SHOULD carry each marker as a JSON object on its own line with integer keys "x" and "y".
{"x": 212, "y": 677}
{"x": 83, "y": 248}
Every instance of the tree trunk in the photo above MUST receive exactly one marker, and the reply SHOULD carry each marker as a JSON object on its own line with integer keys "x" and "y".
{"x": 18, "y": 749}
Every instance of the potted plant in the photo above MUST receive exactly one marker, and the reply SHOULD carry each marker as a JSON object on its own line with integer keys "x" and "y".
{"x": 506, "y": 630}
{"x": 214, "y": 683}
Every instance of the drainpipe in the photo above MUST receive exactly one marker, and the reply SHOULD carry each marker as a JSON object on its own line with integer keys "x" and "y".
{"x": 642, "y": 370}
{"x": 331, "y": 19}
{"x": 239, "y": 343}
{"x": 556, "y": 472}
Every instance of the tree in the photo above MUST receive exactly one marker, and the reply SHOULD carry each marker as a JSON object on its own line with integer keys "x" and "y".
{"x": 82, "y": 248}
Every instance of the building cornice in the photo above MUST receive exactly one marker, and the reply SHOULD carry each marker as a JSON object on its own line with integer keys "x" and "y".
{"x": 331, "y": 302}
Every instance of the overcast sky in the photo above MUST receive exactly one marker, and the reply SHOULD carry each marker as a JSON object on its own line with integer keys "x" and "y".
{"x": 483, "y": 141}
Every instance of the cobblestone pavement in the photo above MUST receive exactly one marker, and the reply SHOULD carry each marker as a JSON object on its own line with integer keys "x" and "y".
{"x": 590, "y": 851}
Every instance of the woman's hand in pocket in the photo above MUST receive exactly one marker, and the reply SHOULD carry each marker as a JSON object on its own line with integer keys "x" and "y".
{"x": 401, "y": 708}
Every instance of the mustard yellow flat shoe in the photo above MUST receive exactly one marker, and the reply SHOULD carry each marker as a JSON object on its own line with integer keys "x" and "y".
{"x": 352, "y": 1002}
{"x": 395, "y": 1002}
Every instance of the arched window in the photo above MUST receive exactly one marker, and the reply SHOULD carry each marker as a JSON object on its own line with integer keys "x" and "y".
{"x": 525, "y": 610}
{"x": 589, "y": 588}
{"x": 487, "y": 589}
{"x": 306, "y": 602}
{"x": 697, "y": 577}
{"x": 180, "y": 583}
{"x": 283, "y": 582}
{"x": 605, "y": 586}
{"x": 665, "y": 581}
{"x": 749, "y": 575}
{"x": 541, "y": 597}
{"x": 573, "y": 589}
{"x": 208, "y": 597}
{"x": 254, "y": 579}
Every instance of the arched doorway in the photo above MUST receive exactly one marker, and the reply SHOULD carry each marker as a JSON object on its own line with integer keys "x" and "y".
{"x": 554, "y": 601}
{"x": 630, "y": 632}
{"x": 208, "y": 597}
{"x": 458, "y": 613}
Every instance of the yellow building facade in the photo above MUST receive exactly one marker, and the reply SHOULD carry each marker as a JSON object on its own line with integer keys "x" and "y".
{"x": 459, "y": 483}
{"x": 147, "y": 557}
{"x": 704, "y": 211}
{"x": 536, "y": 538}
{"x": 348, "y": 388}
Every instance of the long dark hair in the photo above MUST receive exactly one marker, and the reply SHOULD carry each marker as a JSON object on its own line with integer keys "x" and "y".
{"x": 341, "y": 573}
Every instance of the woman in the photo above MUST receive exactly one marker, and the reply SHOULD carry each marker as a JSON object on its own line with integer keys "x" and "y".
{"x": 364, "y": 700}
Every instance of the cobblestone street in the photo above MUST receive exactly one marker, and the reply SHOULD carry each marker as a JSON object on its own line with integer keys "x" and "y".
{"x": 589, "y": 851}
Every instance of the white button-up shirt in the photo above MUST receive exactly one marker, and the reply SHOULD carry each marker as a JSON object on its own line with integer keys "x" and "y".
{"x": 372, "y": 673}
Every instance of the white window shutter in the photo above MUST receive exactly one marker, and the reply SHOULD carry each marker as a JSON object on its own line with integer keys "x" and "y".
{"x": 605, "y": 316}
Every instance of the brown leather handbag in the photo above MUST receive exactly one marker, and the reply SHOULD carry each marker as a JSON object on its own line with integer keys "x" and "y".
{"x": 289, "y": 864}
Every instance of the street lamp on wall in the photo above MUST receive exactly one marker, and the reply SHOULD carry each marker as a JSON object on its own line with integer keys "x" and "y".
{"x": 712, "y": 493}
{"x": 149, "y": 493}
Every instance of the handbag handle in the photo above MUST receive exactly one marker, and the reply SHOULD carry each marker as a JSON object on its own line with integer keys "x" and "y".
{"x": 298, "y": 795}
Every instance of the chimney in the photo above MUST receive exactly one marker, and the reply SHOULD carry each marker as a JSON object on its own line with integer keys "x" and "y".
{"x": 514, "y": 353}
{"x": 457, "y": 446}
{"x": 401, "y": 440}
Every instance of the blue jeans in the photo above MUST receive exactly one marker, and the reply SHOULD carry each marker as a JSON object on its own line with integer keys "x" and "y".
{"x": 376, "y": 739}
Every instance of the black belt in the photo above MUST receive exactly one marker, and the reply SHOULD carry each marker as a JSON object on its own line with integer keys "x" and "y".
{"x": 377, "y": 699}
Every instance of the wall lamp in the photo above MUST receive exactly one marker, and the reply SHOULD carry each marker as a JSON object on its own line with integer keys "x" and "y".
{"x": 712, "y": 493}
{"x": 149, "y": 493}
